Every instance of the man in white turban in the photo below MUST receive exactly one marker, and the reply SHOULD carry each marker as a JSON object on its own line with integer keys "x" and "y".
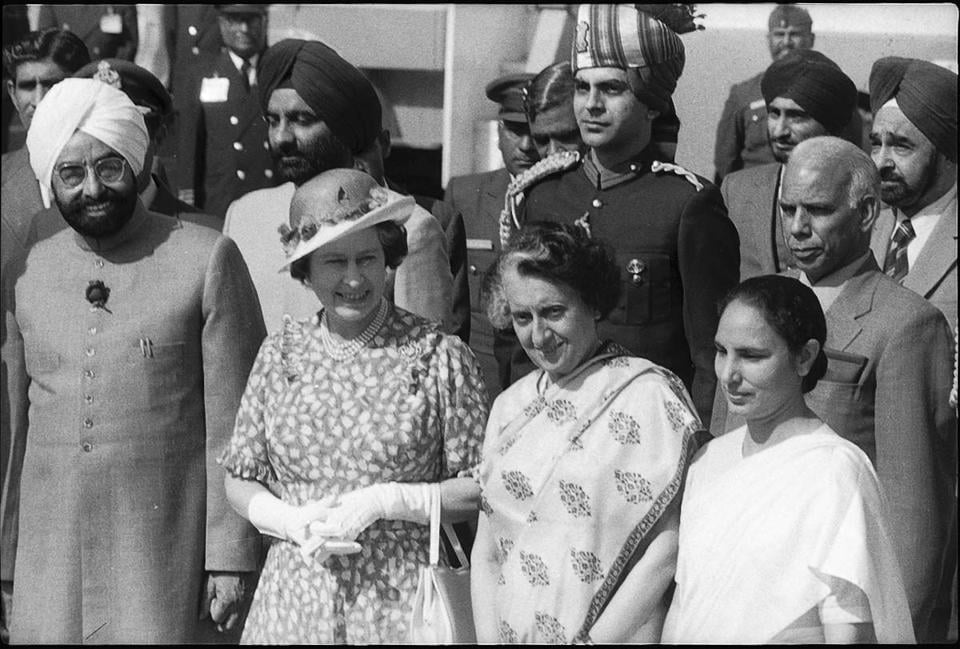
{"x": 134, "y": 334}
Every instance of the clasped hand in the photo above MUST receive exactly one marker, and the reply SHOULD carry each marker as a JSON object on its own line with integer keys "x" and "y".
{"x": 300, "y": 527}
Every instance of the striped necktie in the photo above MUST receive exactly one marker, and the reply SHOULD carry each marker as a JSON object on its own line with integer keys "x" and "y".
{"x": 895, "y": 265}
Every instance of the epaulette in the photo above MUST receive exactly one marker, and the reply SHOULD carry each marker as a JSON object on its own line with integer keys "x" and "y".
{"x": 658, "y": 166}
{"x": 554, "y": 163}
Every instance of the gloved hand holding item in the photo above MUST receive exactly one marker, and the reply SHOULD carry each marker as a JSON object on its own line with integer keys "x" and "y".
{"x": 357, "y": 510}
{"x": 291, "y": 523}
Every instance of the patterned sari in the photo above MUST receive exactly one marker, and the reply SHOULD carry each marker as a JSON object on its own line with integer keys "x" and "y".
{"x": 573, "y": 478}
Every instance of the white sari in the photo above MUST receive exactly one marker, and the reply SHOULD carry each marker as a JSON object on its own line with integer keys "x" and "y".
{"x": 765, "y": 540}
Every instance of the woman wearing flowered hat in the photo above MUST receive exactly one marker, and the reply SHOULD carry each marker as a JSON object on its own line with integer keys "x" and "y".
{"x": 348, "y": 420}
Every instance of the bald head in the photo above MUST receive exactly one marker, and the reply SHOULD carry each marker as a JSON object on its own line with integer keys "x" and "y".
{"x": 828, "y": 204}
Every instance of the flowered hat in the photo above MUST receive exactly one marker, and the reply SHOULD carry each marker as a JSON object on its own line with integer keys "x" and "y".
{"x": 334, "y": 204}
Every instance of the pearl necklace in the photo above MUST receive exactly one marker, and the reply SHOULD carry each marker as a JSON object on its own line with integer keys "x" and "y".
{"x": 346, "y": 351}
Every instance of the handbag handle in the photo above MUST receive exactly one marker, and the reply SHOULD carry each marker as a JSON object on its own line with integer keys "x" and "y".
{"x": 451, "y": 534}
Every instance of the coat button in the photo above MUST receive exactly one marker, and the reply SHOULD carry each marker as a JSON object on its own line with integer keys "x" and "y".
{"x": 192, "y": 30}
{"x": 266, "y": 145}
{"x": 90, "y": 351}
{"x": 92, "y": 331}
{"x": 241, "y": 174}
{"x": 98, "y": 263}
{"x": 88, "y": 423}
{"x": 89, "y": 374}
{"x": 194, "y": 50}
{"x": 234, "y": 120}
{"x": 238, "y": 146}
{"x": 473, "y": 270}
{"x": 88, "y": 399}
{"x": 268, "y": 173}
{"x": 597, "y": 203}
{"x": 87, "y": 446}
{"x": 633, "y": 166}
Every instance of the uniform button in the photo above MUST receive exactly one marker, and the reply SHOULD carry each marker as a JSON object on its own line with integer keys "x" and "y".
{"x": 268, "y": 173}
{"x": 633, "y": 166}
{"x": 92, "y": 331}
{"x": 90, "y": 351}
{"x": 473, "y": 270}
{"x": 98, "y": 263}
{"x": 597, "y": 202}
{"x": 89, "y": 374}
{"x": 195, "y": 50}
{"x": 754, "y": 118}
{"x": 88, "y": 423}
{"x": 266, "y": 145}
{"x": 240, "y": 174}
{"x": 234, "y": 120}
{"x": 87, "y": 446}
{"x": 238, "y": 146}
{"x": 88, "y": 399}
{"x": 192, "y": 30}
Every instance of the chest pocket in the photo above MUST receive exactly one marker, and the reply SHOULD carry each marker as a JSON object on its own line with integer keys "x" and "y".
{"x": 646, "y": 286}
{"x": 162, "y": 364}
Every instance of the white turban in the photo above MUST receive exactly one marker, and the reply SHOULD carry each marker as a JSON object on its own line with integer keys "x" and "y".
{"x": 90, "y": 106}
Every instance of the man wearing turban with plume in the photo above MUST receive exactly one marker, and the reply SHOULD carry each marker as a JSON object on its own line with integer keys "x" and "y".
{"x": 322, "y": 113}
{"x": 137, "y": 332}
{"x": 676, "y": 248}
{"x": 914, "y": 145}
{"x": 805, "y": 94}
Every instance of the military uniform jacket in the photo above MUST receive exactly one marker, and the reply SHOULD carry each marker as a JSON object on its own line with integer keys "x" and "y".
{"x": 122, "y": 506}
{"x": 677, "y": 251}
{"x": 222, "y": 150}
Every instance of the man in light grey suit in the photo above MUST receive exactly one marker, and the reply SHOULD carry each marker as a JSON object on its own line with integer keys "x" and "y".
{"x": 889, "y": 363}
{"x": 806, "y": 95}
{"x": 914, "y": 145}
{"x": 322, "y": 113}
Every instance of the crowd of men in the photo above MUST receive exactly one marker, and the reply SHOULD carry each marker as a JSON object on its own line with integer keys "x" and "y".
{"x": 133, "y": 312}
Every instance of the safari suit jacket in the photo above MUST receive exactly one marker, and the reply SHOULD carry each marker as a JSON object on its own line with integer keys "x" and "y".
{"x": 122, "y": 506}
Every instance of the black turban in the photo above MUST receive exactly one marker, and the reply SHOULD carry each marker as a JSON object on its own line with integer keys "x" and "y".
{"x": 925, "y": 92}
{"x": 816, "y": 83}
{"x": 336, "y": 91}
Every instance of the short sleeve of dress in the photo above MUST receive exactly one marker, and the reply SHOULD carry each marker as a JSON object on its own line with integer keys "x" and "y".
{"x": 463, "y": 406}
{"x": 246, "y": 456}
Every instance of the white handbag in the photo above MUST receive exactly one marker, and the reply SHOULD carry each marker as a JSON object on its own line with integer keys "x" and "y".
{"x": 442, "y": 612}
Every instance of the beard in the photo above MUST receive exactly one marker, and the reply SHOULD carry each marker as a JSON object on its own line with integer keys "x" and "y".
{"x": 895, "y": 191}
{"x": 99, "y": 217}
{"x": 298, "y": 164}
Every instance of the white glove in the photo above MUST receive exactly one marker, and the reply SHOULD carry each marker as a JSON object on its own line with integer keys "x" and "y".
{"x": 357, "y": 510}
{"x": 272, "y": 516}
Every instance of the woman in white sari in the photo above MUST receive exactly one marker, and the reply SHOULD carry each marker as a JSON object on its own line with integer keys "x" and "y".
{"x": 782, "y": 537}
{"x": 583, "y": 461}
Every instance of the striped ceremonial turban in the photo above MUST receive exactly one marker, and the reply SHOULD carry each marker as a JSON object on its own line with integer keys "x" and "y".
{"x": 93, "y": 107}
{"x": 644, "y": 38}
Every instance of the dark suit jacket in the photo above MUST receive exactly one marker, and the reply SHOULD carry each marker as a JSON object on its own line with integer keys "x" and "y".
{"x": 934, "y": 275}
{"x": 479, "y": 197}
{"x": 751, "y": 199}
{"x": 84, "y": 21}
{"x": 222, "y": 150}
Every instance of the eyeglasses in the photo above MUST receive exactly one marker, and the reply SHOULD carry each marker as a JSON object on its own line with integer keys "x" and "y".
{"x": 108, "y": 170}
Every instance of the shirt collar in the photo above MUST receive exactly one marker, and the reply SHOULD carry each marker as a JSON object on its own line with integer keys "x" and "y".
{"x": 828, "y": 288}
{"x": 602, "y": 177}
{"x": 936, "y": 208}
{"x": 238, "y": 60}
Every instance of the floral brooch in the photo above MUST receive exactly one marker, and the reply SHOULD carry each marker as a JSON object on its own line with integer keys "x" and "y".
{"x": 97, "y": 294}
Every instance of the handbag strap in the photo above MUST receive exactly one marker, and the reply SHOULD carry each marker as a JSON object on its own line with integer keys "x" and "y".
{"x": 451, "y": 534}
{"x": 435, "y": 524}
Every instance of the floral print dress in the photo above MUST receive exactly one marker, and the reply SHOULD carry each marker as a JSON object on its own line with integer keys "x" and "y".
{"x": 409, "y": 407}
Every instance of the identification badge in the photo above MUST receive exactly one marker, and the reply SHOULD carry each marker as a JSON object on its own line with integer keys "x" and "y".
{"x": 479, "y": 244}
{"x": 757, "y": 104}
{"x": 111, "y": 24}
{"x": 214, "y": 89}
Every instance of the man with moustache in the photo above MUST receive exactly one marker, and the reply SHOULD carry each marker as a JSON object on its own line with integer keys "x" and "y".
{"x": 805, "y": 94}
{"x": 322, "y": 113}
{"x": 135, "y": 333}
{"x": 222, "y": 150}
{"x": 889, "y": 362}
{"x": 675, "y": 246}
{"x": 33, "y": 65}
{"x": 914, "y": 145}
{"x": 479, "y": 197}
